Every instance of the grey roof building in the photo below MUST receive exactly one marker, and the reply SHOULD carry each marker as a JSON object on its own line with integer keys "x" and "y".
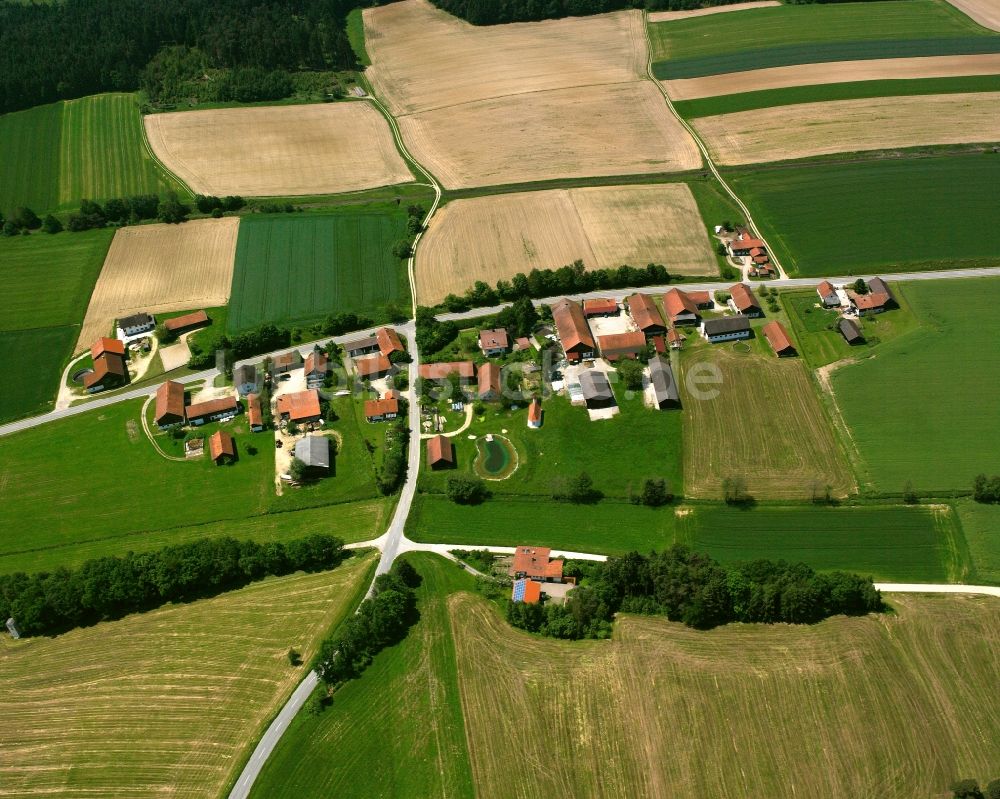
{"x": 597, "y": 391}
{"x": 725, "y": 328}
{"x": 664, "y": 386}
{"x": 314, "y": 451}
{"x": 136, "y": 323}
{"x": 850, "y": 331}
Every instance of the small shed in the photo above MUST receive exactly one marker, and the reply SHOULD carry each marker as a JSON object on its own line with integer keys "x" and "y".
{"x": 221, "y": 447}
{"x": 440, "y": 453}
{"x": 850, "y": 331}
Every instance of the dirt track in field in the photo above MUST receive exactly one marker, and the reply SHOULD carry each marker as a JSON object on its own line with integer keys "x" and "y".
{"x": 160, "y": 268}
{"x": 279, "y": 151}
{"x": 985, "y": 12}
{"x": 482, "y": 106}
{"x": 493, "y": 238}
{"x": 810, "y": 129}
{"x": 949, "y": 66}
{"x": 669, "y": 16}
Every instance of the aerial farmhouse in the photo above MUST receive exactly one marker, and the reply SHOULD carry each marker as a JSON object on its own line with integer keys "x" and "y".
{"x": 301, "y": 407}
{"x": 381, "y": 410}
{"x": 440, "y": 453}
{"x": 136, "y": 324}
{"x": 372, "y": 367}
{"x": 387, "y": 340}
{"x": 828, "y": 294}
{"x": 744, "y": 301}
{"x": 728, "y": 328}
{"x": 221, "y": 447}
{"x": 878, "y": 299}
{"x": 216, "y": 410}
{"x": 680, "y": 308}
{"x": 110, "y": 371}
{"x": 317, "y": 367}
{"x": 778, "y": 338}
{"x": 646, "y": 315}
{"x": 494, "y": 343}
{"x": 535, "y": 563}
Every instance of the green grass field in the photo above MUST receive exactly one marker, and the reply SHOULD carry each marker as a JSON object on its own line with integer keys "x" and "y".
{"x": 925, "y": 409}
{"x": 856, "y": 90}
{"x": 981, "y": 526}
{"x": 797, "y": 34}
{"x": 166, "y": 702}
{"x": 94, "y": 147}
{"x": 902, "y": 214}
{"x": 397, "y": 731}
{"x": 302, "y": 268}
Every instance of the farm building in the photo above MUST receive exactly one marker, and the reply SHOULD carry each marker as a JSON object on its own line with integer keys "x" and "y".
{"x": 189, "y": 321}
{"x": 489, "y": 382}
{"x": 850, "y": 331}
{"x": 387, "y": 340}
{"x": 661, "y": 376}
{"x": 314, "y": 452}
{"x": 621, "y": 345}
{"x": 317, "y": 366}
{"x": 109, "y": 372}
{"x": 597, "y": 391}
{"x": 169, "y": 404}
{"x": 255, "y": 416}
{"x": 440, "y": 453}
{"x": 574, "y": 333}
{"x": 215, "y": 410}
{"x": 680, "y": 309}
{"x": 878, "y": 299}
{"x": 828, "y": 294}
{"x": 136, "y": 324}
{"x": 744, "y": 301}
{"x": 286, "y": 362}
{"x": 535, "y": 414}
{"x": 300, "y": 406}
{"x": 779, "y": 339}
{"x": 527, "y": 591}
{"x": 466, "y": 371}
{"x": 245, "y": 379}
{"x": 105, "y": 346}
{"x": 380, "y": 410}
{"x": 221, "y": 447}
{"x": 744, "y": 243}
{"x": 494, "y": 342}
{"x": 675, "y": 339}
{"x": 535, "y": 563}
{"x": 645, "y": 314}
{"x": 701, "y": 299}
{"x": 361, "y": 346}
{"x": 372, "y": 367}
{"x": 522, "y": 343}
{"x": 602, "y": 306}
{"x": 728, "y": 328}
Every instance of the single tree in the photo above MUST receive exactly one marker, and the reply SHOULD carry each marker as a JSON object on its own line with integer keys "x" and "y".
{"x": 52, "y": 225}
{"x": 297, "y": 469}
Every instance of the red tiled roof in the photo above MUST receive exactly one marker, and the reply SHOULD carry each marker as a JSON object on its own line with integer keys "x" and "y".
{"x": 209, "y": 407}
{"x": 535, "y": 410}
{"x": 254, "y": 414}
{"x": 599, "y": 306}
{"x": 700, "y": 297}
{"x": 440, "y": 450}
{"x": 300, "y": 405}
{"x": 743, "y": 298}
{"x": 495, "y": 339}
{"x": 825, "y": 289}
{"x": 221, "y": 443}
{"x": 644, "y": 311}
{"x": 381, "y": 407}
{"x": 107, "y": 364}
{"x": 865, "y": 302}
{"x": 388, "y": 341}
{"x": 440, "y": 371}
{"x": 777, "y": 336}
{"x": 677, "y": 303}
{"x": 534, "y": 562}
{"x": 659, "y": 345}
{"x": 104, "y": 344}
{"x": 522, "y": 343}
{"x": 170, "y": 401}
{"x": 187, "y": 320}
{"x": 618, "y": 344}
{"x": 489, "y": 378}
{"x": 372, "y": 366}
{"x": 571, "y": 326}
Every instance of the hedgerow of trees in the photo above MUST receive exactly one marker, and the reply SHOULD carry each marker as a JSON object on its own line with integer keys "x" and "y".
{"x": 969, "y": 789}
{"x": 391, "y": 472}
{"x": 693, "y": 588}
{"x": 986, "y": 489}
{"x": 111, "y": 587}
{"x": 265, "y": 338}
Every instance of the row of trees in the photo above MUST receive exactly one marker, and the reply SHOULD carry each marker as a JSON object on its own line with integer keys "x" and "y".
{"x": 693, "y": 588}
{"x": 970, "y": 789}
{"x": 391, "y": 472}
{"x": 265, "y": 338}
{"x": 111, "y": 587}
{"x": 403, "y": 248}
{"x": 986, "y": 489}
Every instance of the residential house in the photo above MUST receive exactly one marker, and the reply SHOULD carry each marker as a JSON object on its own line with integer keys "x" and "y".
{"x": 189, "y": 321}
{"x": 573, "y": 331}
{"x": 701, "y": 299}
{"x": 828, "y": 294}
{"x": 621, "y": 345}
{"x": 314, "y": 452}
{"x": 387, "y": 340}
{"x": 286, "y": 362}
{"x": 535, "y": 564}
{"x": 301, "y": 407}
{"x": 169, "y": 410}
{"x": 535, "y": 414}
{"x": 744, "y": 243}
{"x": 109, "y": 372}
{"x": 728, "y": 328}
{"x": 602, "y": 306}
{"x": 372, "y": 367}
{"x": 361, "y": 346}
{"x": 317, "y": 367}
{"x": 527, "y": 591}
{"x": 646, "y": 315}
{"x": 850, "y": 331}
{"x": 596, "y": 389}
{"x": 245, "y": 379}
{"x": 744, "y": 301}
{"x": 466, "y": 371}
{"x": 680, "y": 309}
{"x": 221, "y": 447}
{"x": 778, "y": 338}
{"x": 216, "y": 410}
{"x": 661, "y": 377}
{"x": 380, "y": 410}
{"x": 440, "y": 453}
{"x": 878, "y": 299}
{"x": 494, "y": 342}
{"x": 255, "y": 415}
{"x": 136, "y": 324}
{"x": 489, "y": 382}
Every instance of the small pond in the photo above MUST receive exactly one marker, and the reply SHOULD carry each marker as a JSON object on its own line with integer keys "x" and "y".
{"x": 496, "y": 459}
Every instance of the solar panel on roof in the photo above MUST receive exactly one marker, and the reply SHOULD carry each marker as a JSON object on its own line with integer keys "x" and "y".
{"x": 518, "y": 595}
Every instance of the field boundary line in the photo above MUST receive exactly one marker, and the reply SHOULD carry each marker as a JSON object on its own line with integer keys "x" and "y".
{"x": 157, "y": 163}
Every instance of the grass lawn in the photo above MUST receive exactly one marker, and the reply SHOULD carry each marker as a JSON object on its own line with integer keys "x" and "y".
{"x": 398, "y": 730}
{"x": 905, "y": 214}
{"x": 981, "y": 525}
{"x": 892, "y": 704}
{"x": 303, "y": 267}
{"x": 356, "y": 35}
{"x": 170, "y": 701}
{"x": 93, "y": 484}
{"x": 925, "y": 409}
{"x": 796, "y": 34}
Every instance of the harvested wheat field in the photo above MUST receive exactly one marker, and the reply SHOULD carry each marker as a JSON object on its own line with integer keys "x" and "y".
{"x": 809, "y": 129}
{"x": 752, "y": 80}
{"x": 164, "y": 703}
{"x": 765, "y": 425}
{"x": 589, "y": 131}
{"x": 985, "y": 12}
{"x": 279, "y": 151}
{"x": 890, "y": 705}
{"x": 424, "y": 58}
{"x": 669, "y": 16}
{"x": 160, "y": 268}
{"x": 493, "y": 238}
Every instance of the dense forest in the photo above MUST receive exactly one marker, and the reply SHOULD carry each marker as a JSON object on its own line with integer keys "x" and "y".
{"x": 60, "y": 51}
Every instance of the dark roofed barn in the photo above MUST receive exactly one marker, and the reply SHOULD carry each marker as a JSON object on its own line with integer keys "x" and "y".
{"x": 664, "y": 386}
{"x": 597, "y": 391}
{"x": 850, "y": 331}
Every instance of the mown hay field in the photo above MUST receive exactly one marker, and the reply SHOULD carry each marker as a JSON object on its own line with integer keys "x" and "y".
{"x": 765, "y": 425}
{"x": 873, "y": 69}
{"x": 166, "y": 702}
{"x": 979, "y": 525}
{"x": 306, "y": 267}
{"x": 164, "y": 268}
{"x": 892, "y": 704}
{"x": 941, "y": 427}
{"x": 403, "y": 713}
{"x": 279, "y": 151}
{"x": 945, "y": 202}
{"x": 812, "y": 129}
{"x": 57, "y": 154}
{"x": 669, "y": 16}
{"x": 493, "y": 238}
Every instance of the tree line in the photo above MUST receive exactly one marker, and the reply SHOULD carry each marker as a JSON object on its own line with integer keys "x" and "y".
{"x": 695, "y": 589}
{"x": 265, "y": 338}
{"x": 46, "y": 603}
{"x": 986, "y": 489}
{"x": 970, "y": 789}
